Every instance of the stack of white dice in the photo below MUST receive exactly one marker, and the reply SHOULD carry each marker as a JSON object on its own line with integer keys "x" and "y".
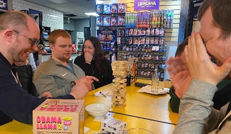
{"x": 120, "y": 72}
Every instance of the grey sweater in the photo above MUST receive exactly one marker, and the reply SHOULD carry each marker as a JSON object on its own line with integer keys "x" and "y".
{"x": 196, "y": 115}
{"x": 54, "y": 77}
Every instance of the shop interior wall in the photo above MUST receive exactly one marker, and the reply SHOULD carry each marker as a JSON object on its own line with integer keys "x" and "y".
{"x": 71, "y": 27}
{"x": 171, "y": 35}
{"x": 51, "y": 18}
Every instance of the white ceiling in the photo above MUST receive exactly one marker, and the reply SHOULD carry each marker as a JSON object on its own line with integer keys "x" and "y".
{"x": 75, "y": 7}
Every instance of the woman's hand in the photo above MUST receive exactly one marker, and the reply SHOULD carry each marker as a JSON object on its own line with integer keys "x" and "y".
{"x": 88, "y": 57}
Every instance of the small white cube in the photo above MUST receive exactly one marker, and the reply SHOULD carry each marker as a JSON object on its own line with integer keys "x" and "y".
{"x": 113, "y": 126}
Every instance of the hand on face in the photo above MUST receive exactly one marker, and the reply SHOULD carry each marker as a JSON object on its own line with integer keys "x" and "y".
{"x": 200, "y": 65}
{"x": 88, "y": 57}
{"x": 179, "y": 74}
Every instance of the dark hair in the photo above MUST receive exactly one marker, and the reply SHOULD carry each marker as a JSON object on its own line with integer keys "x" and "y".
{"x": 221, "y": 12}
{"x": 180, "y": 48}
{"x": 98, "y": 57}
{"x": 13, "y": 19}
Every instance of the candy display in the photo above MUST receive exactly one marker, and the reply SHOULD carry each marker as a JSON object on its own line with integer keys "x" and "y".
{"x": 139, "y": 35}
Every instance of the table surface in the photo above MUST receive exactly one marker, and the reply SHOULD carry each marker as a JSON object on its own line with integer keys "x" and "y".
{"x": 141, "y": 111}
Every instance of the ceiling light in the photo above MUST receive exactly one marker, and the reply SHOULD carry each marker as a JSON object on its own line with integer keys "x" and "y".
{"x": 92, "y": 14}
{"x": 58, "y": 1}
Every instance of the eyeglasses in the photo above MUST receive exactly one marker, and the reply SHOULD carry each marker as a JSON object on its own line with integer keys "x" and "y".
{"x": 32, "y": 41}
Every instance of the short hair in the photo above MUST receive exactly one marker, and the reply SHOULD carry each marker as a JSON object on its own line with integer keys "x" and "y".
{"x": 56, "y": 34}
{"x": 221, "y": 12}
{"x": 180, "y": 48}
{"x": 13, "y": 19}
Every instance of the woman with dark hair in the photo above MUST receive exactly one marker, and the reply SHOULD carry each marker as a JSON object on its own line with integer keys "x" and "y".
{"x": 93, "y": 62}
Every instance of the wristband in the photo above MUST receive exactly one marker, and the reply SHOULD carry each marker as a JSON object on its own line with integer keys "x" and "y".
{"x": 72, "y": 84}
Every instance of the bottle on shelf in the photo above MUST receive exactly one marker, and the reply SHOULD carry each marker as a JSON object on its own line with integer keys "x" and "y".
{"x": 155, "y": 81}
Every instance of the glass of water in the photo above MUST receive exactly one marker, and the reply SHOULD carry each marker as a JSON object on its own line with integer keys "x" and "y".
{"x": 138, "y": 131}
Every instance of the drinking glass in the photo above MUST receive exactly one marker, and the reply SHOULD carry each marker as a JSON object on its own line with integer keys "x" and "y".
{"x": 138, "y": 131}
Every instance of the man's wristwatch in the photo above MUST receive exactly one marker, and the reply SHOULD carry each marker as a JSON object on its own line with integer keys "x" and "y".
{"x": 72, "y": 83}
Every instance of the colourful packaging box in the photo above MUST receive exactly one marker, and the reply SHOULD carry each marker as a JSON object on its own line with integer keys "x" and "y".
{"x": 106, "y": 9}
{"x": 114, "y": 8}
{"x": 106, "y": 21}
{"x": 59, "y": 116}
{"x": 99, "y": 8}
{"x": 121, "y": 8}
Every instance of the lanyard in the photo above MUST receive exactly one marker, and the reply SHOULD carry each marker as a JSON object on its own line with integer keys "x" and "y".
{"x": 16, "y": 78}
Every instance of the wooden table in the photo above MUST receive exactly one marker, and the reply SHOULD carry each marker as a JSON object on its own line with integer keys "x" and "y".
{"x": 139, "y": 104}
{"x": 141, "y": 111}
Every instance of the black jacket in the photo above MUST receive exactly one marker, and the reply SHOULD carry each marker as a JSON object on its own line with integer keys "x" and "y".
{"x": 15, "y": 102}
{"x": 25, "y": 74}
{"x": 104, "y": 78}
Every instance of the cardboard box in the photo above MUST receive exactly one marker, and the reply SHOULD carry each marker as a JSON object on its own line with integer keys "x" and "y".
{"x": 59, "y": 116}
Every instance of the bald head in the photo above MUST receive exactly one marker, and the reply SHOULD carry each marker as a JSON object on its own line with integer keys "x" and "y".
{"x": 13, "y": 19}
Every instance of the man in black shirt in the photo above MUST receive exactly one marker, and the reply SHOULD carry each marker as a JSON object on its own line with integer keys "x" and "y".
{"x": 19, "y": 36}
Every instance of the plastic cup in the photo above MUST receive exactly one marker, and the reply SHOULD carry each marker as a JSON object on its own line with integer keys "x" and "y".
{"x": 138, "y": 131}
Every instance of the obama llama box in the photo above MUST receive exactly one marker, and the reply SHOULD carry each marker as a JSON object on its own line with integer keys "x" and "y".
{"x": 59, "y": 116}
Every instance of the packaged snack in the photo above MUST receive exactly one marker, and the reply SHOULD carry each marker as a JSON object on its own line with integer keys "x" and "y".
{"x": 118, "y": 32}
{"x": 138, "y": 41}
{"x": 151, "y": 40}
{"x": 114, "y": 8}
{"x": 122, "y": 40}
{"x": 157, "y": 31}
{"x": 106, "y": 9}
{"x": 118, "y": 40}
{"x": 130, "y": 40}
{"x": 99, "y": 21}
{"x": 127, "y": 32}
{"x": 147, "y": 40}
{"x": 153, "y": 48}
{"x": 156, "y": 40}
{"x": 142, "y": 40}
{"x": 161, "y": 40}
{"x": 139, "y": 31}
{"x": 121, "y": 21}
{"x": 121, "y": 8}
{"x": 148, "y": 31}
{"x": 122, "y": 32}
{"x": 134, "y": 40}
{"x": 113, "y": 21}
{"x": 106, "y": 21}
{"x": 130, "y": 32}
{"x": 143, "y": 31}
{"x": 161, "y": 32}
{"x": 135, "y": 32}
{"x": 152, "y": 31}
{"x": 99, "y": 8}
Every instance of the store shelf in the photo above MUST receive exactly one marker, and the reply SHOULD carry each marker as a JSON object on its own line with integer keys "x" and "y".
{"x": 113, "y": 14}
